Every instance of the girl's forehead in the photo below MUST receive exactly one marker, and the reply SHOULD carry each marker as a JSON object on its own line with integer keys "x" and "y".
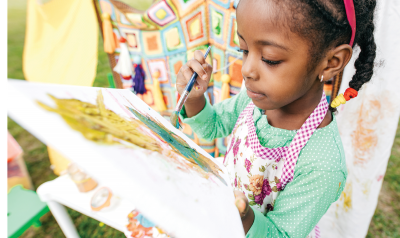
{"x": 263, "y": 21}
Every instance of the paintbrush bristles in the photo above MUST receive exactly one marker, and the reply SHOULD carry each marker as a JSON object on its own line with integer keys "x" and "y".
{"x": 175, "y": 119}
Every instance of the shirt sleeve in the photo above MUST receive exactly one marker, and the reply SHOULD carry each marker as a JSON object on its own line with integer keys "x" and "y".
{"x": 300, "y": 206}
{"x": 218, "y": 120}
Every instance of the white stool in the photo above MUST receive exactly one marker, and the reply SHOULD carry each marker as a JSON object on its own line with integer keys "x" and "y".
{"x": 63, "y": 191}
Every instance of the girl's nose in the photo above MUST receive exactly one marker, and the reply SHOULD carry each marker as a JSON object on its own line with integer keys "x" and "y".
{"x": 249, "y": 67}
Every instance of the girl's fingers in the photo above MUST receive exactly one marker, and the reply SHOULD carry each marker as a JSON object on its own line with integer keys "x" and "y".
{"x": 198, "y": 68}
{"x": 197, "y": 86}
{"x": 199, "y": 56}
{"x": 203, "y": 83}
{"x": 208, "y": 68}
{"x": 241, "y": 203}
{"x": 187, "y": 73}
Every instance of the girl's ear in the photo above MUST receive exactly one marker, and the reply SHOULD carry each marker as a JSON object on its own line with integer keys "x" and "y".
{"x": 336, "y": 59}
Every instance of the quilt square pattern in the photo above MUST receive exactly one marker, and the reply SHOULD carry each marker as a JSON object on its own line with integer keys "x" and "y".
{"x": 218, "y": 58}
{"x": 186, "y": 6}
{"x": 175, "y": 62}
{"x": 173, "y": 39}
{"x": 234, "y": 62}
{"x": 223, "y": 3}
{"x": 162, "y": 13}
{"x": 233, "y": 39}
{"x": 132, "y": 37}
{"x": 151, "y": 42}
{"x": 195, "y": 28}
{"x": 217, "y": 93}
{"x": 159, "y": 64}
{"x": 169, "y": 98}
{"x": 137, "y": 20}
{"x": 148, "y": 96}
{"x": 218, "y": 18}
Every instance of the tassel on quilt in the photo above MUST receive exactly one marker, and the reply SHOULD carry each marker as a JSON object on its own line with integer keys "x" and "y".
{"x": 108, "y": 34}
{"x": 138, "y": 79}
{"x": 124, "y": 66}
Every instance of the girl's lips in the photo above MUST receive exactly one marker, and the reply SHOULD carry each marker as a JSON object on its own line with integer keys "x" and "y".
{"x": 254, "y": 95}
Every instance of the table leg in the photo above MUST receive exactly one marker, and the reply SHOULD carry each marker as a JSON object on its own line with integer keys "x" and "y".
{"x": 63, "y": 219}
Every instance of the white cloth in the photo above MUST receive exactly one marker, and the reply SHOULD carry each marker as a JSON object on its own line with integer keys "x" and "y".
{"x": 367, "y": 126}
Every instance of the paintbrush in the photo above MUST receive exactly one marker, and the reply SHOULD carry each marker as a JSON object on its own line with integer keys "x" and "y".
{"x": 175, "y": 114}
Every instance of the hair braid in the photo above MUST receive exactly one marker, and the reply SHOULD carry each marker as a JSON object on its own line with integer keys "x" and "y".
{"x": 365, "y": 62}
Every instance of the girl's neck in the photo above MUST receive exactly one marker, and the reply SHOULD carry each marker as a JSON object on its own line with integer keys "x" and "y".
{"x": 293, "y": 115}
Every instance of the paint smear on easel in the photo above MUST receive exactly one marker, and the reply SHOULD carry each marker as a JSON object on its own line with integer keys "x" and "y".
{"x": 101, "y": 125}
{"x": 179, "y": 145}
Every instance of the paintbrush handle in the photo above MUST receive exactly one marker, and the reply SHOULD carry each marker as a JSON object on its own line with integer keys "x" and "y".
{"x": 189, "y": 87}
{"x": 186, "y": 92}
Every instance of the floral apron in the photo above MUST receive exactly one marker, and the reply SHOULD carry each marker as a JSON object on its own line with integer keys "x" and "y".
{"x": 262, "y": 172}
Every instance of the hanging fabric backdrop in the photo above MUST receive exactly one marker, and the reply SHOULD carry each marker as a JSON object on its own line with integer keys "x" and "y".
{"x": 367, "y": 126}
{"x": 60, "y": 47}
{"x": 61, "y": 42}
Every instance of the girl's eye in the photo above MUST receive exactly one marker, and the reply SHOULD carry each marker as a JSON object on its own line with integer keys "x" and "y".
{"x": 245, "y": 52}
{"x": 270, "y": 62}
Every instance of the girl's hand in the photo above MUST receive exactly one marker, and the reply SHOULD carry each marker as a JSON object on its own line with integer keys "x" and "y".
{"x": 197, "y": 64}
{"x": 246, "y": 213}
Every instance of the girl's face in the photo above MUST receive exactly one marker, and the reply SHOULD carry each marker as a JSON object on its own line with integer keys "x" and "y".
{"x": 275, "y": 60}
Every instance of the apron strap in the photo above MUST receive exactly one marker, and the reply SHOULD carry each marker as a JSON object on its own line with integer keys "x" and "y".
{"x": 248, "y": 109}
{"x": 301, "y": 138}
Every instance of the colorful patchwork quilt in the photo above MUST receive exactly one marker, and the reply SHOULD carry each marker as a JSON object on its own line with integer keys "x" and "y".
{"x": 167, "y": 34}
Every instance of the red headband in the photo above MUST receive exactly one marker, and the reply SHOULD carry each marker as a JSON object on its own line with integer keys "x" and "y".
{"x": 351, "y": 17}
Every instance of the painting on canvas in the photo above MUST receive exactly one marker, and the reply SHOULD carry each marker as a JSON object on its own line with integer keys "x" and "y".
{"x": 117, "y": 138}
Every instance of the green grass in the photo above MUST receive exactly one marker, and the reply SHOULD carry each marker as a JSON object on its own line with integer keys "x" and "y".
{"x": 385, "y": 222}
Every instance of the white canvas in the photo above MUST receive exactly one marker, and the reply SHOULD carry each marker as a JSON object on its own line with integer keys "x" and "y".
{"x": 184, "y": 204}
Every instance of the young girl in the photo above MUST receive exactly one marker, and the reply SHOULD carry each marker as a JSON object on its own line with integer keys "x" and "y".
{"x": 285, "y": 158}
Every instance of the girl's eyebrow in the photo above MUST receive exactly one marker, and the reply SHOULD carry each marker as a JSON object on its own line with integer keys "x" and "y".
{"x": 265, "y": 42}
{"x": 240, "y": 35}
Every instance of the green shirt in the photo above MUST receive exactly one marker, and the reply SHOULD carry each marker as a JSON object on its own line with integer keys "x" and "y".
{"x": 319, "y": 176}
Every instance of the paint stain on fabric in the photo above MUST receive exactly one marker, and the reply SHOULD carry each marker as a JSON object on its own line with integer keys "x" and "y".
{"x": 346, "y": 197}
{"x": 365, "y": 136}
{"x": 366, "y": 187}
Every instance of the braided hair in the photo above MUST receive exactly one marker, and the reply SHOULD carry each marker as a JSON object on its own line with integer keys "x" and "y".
{"x": 324, "y": 23}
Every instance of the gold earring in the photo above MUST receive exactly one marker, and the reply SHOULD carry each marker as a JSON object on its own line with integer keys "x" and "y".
{"x": 322, "y": 78}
